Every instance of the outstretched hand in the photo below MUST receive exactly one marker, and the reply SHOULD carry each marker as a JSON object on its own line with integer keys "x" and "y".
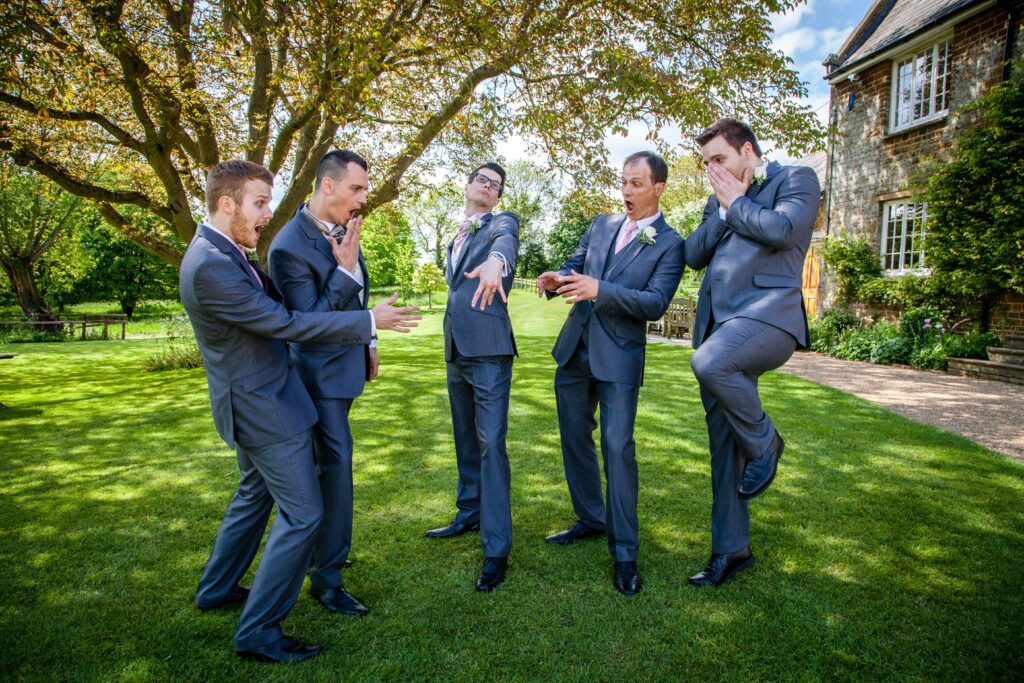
{"x": 579, "y": 288}
{"x": 489, "y": 272}
{"x": 395, "y": 318}
{"x": 548, "y": 282}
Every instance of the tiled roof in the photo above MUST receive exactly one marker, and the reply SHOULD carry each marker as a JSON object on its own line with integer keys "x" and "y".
{"x": 815, "y": 161}
{"x": 890, "y": 22}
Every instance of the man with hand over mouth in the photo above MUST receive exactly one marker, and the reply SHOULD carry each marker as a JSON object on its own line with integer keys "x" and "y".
{"x": 260, "y": 408}
{"x": 316, "y": 262}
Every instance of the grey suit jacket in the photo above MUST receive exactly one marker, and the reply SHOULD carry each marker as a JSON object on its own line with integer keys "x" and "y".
{"x": 755, "y": 257}
{"x": 257, "y": 396}
{"x": 488, "y": 332}
{"x": 636, "y": 286}
{"x": 305, "y": 271}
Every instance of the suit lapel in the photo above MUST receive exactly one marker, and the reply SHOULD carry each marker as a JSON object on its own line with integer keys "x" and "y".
{"x": 229, "y": 248}
{"x": 484, "y": 223}
{"x": 636, "y": 246}
{"x": 366, "y": 280}
{"x": 603, "y": 245}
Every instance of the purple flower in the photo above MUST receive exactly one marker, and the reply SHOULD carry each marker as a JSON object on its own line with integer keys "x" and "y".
{"x": 927, "y": 322}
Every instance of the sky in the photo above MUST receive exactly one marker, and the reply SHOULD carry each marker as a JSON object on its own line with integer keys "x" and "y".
{"x": 806, "y": 35}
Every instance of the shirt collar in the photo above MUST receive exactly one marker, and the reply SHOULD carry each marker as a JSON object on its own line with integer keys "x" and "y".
{"x": 644, "y": 222}
{"x": 324, "y": 227}
{"x": 221, "y": 233}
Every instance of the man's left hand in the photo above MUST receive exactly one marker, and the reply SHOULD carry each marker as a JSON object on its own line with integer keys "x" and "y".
{"x": 489, "y": 273}
{"x": 579, "y": 288}
{"x": 374, "y": 365}
{"x": 725, "y": 185}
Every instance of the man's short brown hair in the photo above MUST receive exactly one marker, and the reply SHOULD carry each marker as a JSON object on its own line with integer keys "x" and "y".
{"x": 734, "y": 132}
{"x": 228, "y": 178}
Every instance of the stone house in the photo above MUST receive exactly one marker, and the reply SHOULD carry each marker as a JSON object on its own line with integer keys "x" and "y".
{"x": 896, "y": 85}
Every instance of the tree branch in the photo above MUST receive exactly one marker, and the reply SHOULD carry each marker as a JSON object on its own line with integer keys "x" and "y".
{"x": 150, "y": 243}
{"x": 119, "y": 134}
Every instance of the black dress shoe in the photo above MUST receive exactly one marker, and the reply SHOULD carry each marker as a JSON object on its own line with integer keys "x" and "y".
{"x": 492, "y": 574}
{"x": 627, "y": 578}
{"x": 237, "y": 597}
{"x": 282, "y": 651}
{"x": 760, "y": 472}
{"x": 721, "y": 567}
{"x": 347, "y": 564}
{"x": 577, "y": 532}
{"x": 338, "y": 600}
{"x": 453, "y": 529}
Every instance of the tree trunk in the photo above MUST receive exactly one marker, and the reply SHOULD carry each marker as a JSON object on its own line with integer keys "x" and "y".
{"x": 985, "y": 318}
{"x": 24, "y": 283}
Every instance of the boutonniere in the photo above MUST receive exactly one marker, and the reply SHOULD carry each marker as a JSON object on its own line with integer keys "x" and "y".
{"x": 475, "y": 224}
{"x": 646, "y": 236}
{"x": 760, "y": 174}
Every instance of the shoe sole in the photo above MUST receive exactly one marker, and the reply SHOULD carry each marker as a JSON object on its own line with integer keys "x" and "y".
{"x": 573, "y": 540}
{"x": 461, "y": 533}
{"x": 764, "y": 487}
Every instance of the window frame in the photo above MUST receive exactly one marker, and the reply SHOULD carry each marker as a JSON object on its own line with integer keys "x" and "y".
{"x": 933, "y": 46}
{"x": 884, "y": 254}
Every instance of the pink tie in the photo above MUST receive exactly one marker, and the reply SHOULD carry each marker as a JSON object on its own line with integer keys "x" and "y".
{"x": 626, "y": 236}
{"x": 246, "y": 259}
{"x": 461, "y": 237}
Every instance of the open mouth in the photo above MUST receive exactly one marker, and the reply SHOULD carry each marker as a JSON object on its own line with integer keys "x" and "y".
{"x": 629, "y": 207}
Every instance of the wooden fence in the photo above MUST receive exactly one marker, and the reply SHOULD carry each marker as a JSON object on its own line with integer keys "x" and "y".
{"x": 82, "y": 321}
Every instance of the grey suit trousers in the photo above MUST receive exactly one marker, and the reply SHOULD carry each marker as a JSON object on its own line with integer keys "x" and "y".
{"x": 478, "y": 390}
{"x": 281, "y": 473}
{"x": 578, "y": 394}
{"x": 728, "y": 365}
{"x": 333, "y": 439}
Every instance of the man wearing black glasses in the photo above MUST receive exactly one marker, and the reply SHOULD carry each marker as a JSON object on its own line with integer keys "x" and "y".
{"x": 478, "y": 348}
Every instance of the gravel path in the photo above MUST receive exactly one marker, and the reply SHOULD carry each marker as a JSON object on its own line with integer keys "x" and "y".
{"x": 986, "y": 412}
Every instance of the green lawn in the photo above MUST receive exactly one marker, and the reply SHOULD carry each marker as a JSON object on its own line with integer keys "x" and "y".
{"x": 887, "y": 549}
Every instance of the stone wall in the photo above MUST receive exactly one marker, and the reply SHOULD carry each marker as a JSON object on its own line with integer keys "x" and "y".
{"x": 1008, "y": 315}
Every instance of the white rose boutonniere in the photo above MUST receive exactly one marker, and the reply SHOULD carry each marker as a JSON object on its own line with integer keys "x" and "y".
{"x": 760, "y": 174}
{"x": 646, "y": 236}
{"x": 474, "y": 225}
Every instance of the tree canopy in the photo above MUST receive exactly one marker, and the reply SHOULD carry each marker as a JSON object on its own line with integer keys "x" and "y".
{"x": 164, "y": 89}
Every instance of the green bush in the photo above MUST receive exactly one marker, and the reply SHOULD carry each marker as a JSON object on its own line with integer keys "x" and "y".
{"x": 828, "y": 331}
{"x": 853, "y": 261}
{"x": 892, "y": 351}
{"x": 869, "y": 343}
{"x": 931, "y": 357}
{"x": 177, "y": 351}
{"x": 971, "y": 345}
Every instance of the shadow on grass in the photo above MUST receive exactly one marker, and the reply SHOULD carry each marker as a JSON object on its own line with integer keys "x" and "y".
{"x": 886, "y": 549}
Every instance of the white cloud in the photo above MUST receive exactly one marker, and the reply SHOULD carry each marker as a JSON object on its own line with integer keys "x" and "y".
{"x": 783, "y": 22}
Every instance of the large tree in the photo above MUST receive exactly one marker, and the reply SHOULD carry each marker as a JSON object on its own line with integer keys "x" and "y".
{"x": 166, "y": 88}
{"x": 35, "y": 219}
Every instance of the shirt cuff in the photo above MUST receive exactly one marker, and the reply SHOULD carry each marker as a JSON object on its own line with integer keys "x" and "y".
{"x": 504, "y": 268}
{"x": 357, "y": 276}
{"x": 721, "y": 214}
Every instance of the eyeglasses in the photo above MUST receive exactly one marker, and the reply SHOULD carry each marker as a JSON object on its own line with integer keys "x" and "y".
{"x": 487, "y": 182}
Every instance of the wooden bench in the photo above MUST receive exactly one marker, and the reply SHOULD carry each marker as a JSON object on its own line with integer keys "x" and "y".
{"x": 678, "y": 319}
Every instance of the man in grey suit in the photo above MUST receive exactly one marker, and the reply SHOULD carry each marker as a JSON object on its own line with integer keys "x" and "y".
{"x": 260, "y": 408}
{"x": 624, "y": 273}
{"x": 310, "y": 264}
{"x": 478, "y": 349}
{"x": 750, "y": 319}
